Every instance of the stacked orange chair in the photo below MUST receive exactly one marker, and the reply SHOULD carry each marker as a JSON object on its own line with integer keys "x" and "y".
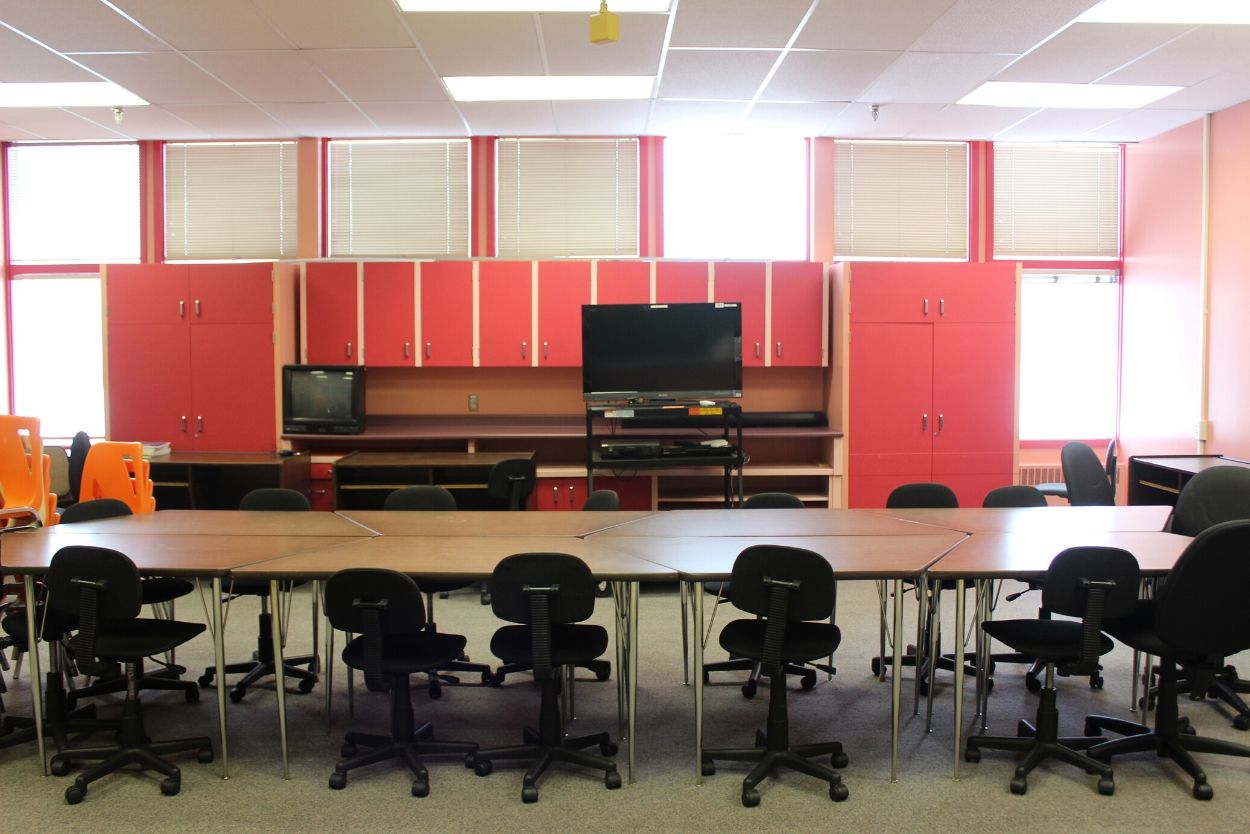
{"x": 118, "y": 470}
{"x": 25, "y": 471}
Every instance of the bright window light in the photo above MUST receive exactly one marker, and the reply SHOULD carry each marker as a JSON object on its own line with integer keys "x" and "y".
{"x": 1168, "y": 11}
{"x": 588, "y": 6}
{"x": 1075, "y": 96}
{"x": 67, "y": 94}
{"x": 735, "y": 197}
{"x": 549, "y": 87}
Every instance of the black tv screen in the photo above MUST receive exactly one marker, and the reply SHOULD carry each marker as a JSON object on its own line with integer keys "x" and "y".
{"x": 323, "y": 399}
{"x": 661, "y": 351}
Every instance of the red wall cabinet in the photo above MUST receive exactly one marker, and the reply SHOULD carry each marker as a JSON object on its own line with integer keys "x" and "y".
{"x": 681, "y": 282}
{"x": 745, "y": 283}
{"x": 570, "y": 493}
{"x": 446, "y": 314}
{"x": 390, "y": 314}
{"x": 331, "y": 314}
{"x": 563, "y": 287}
{"x": 623, "y": 282}
{"x": 505, "y": 313}
{"x": 800, "y": 314}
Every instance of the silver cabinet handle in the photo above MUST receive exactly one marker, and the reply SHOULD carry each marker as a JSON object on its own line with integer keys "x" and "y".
{"x": 524, "y": 347}
{"x": 926, "y": 306}
{"x": 349, "y": 350}
{"x": 184, "y": 423}
{"x": 197, "y": 308}
{"x": 779, "y": 350}
{"x": 941, "y": 422}
{"x": 407, "y": 349}
{"x": 941, "y": 306}
{"x": 319, "y": 491}
{"x": 544, "y": 350}
{"x": 182, "y": 309}
{"x": 757, "y": 350}
{"x": 924, "y": 422}
{"x": 199, "y": 422}
{"x": 427, "y": 350}
{"x": 571, "y": 488}
{"x": 555, "y": 496}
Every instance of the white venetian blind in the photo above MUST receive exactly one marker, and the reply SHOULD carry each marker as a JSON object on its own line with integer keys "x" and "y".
{"x": 402, "y": 197}
{"x": 567, "y": 197}
{"x": 228, "y": 200}
{"x": 900, "y": 200}
{"x": 1057, "y": 201}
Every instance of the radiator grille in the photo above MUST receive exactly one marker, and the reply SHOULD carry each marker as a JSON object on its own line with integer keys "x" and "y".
{"x": 1034, "y": 475}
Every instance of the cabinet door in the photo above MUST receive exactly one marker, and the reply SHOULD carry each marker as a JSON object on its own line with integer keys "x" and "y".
{"x": 147, "y": 294}
{"x": 634, "y": 492}
{"x": 891, "y": 390}
{"x": 623, "y": 282}
{"x": 558, "y": 494}
{"x": 149, "y": 383}
{"x": 744, "y": 283}
{"x": 681, "y": 282}
{"x": 505, "y": 313}
{"x": 390, "y": 314}
{"x": 230, "y": 293}
{"x": 892, "y": 292}
{"x": 975, "y": 292}
{"x": 798, "y": 314}
{"x": 563, "y": 287}
{"x": 331, "y": 317}
{"x": 447, "y": 314}
{"x": 233, "y": 384}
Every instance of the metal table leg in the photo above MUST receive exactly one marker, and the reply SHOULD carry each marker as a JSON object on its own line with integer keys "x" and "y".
{"x": 633, "y": 673}
{"x": 36, "y": 675}
{"x": 275, "y": 598}
{"x": 697, "y": 664}
{"x": 896, "y": 683}
{"x": 960, "y": 648}
{"x": 219, "y": 660}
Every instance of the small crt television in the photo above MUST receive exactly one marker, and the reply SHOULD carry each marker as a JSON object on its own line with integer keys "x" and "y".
{"x": 323, "y": 399}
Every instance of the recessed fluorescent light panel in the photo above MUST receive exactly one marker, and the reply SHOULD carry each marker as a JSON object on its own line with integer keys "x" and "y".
{"x": 1168, "y": 11}
{"x": 549, "y": 87}
{"x": 67, "y": 94}
{"x": 1072, "y": 96}
{"x": 587, "y": 6}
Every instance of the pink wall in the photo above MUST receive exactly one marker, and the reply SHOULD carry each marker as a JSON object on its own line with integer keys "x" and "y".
{"x": 1160, "y": 350}
{"x": 1229, "y": 375}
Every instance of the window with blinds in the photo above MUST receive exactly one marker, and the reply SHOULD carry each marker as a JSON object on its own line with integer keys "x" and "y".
{"x": 1056, "y": 202}
{"x": 226, "y": 200}
{"x": 900, "y": 200}
{"x": 399, "y": 198}
{"x": 567, "y": 197}
{"x": 73, "y": 204}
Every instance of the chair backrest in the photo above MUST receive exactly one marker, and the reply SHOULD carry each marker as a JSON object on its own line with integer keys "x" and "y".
{"x": 350, "y": 593}
{"x": 118, "y": 470}
{"x": 78, "y": 449}
{"x": 602, "y": 499}
{"x": 58, "y": 472}
{"x": 1070, "y": 573}
{"x": 758, "y": 566}
{"x": 95, "y": 509}
{"x": 512, "y": 481}
{"x": 1085, "y": 476}
{"x": 921, "y": 496}
{"x": 275, "y": 498}
{"x": 516, "y": 577}
{"x": 1202, "y": 607}
{"x": 420, "y": 497}
{"x": 94, "y": 585}
{"x": 1221, "y": 493}
{"x": 773, "y": 501}
{"x": 22, "y": 469}
{"x": 1018, "y": 495}
{"x": 1110, "y": 463}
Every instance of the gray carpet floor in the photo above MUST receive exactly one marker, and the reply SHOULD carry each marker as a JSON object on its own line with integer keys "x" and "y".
{"x": 1151, "y": 794}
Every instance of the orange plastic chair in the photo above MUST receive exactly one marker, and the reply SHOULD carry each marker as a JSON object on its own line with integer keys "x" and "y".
{"x": 118, "y": 470}
{"x": 24, "y": 469}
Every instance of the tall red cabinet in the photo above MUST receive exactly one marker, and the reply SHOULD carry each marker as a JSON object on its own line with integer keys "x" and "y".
{"x": 932, "y": 377}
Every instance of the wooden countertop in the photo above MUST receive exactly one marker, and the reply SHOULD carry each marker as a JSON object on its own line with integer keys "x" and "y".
{"x": 220, "y": 523}
{"x": 774, "y": 523}
{"x": 1028, "y": 555}
{"x": 1040, "y": 519}
{"x": 489, "y": 522}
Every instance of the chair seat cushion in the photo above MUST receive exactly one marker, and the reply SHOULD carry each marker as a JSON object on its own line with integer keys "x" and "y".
{"x": 1137, "y": 630}
{"x": 803, "y": 640}
{"x": 55, "y": 624}
{"x": 404, "y": 654}
{"x": 165, "y": 588}
{"x": 130, "y": 640}
{"x": 1052, "y": 640}
{"x": 570, "y": 643}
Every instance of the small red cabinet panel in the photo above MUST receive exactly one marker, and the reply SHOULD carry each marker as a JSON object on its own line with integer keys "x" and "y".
{"x": 390, "y": 314}
{"x": 230, "y": 293}
{"x": 147, "y": 294}
{"x": 563, "y": 287}
{"x": 149, "y": 383}
{"x": 798, "y": 302}
{"x": 681, "y": 282}
{"x": 232, "y": 400}
{"x": 891, "y": 396}
{"x": 744, "y": 283}
{"x": 623, "y": 282}
{"x": 447, "y": 313}
{"x": 505, "y": 310}
{"x": 330, "y": 314}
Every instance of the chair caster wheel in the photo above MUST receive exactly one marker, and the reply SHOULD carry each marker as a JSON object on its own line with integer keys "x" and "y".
{"x": 170, "y": 785}
{"x": 306, "y": 685}
{"x": 338, "y": 780}
{"x": 838, "y": 792}
{"x": 750, "y": 797}
{"x": 483, "y": 767}
{"x": 839, "y": 760}
{"x": 59, "y": 766}
{"x": 608, "y": 748}
{"x": 761, "y": 738}
{"x": 603, "y": 674}
{"x": 808, "y": 681}
{"x": 529, "y": 793}
{"x": 436, "y": 692}
{"x": 1091, "y": 729}
{"x": 1201, "y": 791}
{"x": 192, "y": 695}
{"x": 1185, "y": 727}
{"x": 236, "y": 695}
{"x": 487, "y": 679}
{"x": 1032, "y": 684}
{"x": 1106, "y": 786}
{"x": 709, "y": 767}
{"x": 989, "y": 684}
{"x": 972, "y": 755}
{"x": 1019, "y": 785}
{"x": 749, "y": 689}
{"x": 75, "y": 794}
{"x": 1242, "y": 722}
{"x": 205, "y": 756}
{"x": 611, "y": 780}
{"x": 205, "y": 680}
{"x": 421, "y": 787}
{"x": 347, "y": 751}
{"x": 1095, "y": 681}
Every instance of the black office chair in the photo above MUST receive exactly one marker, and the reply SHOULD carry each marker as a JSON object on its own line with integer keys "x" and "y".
{"x": 79, "y": 447}
{"x": 602, "y": 499}
{"x": 548, "y": 595}
{"x": 1095, "y": 584}
{"x": 384, "y": 608}
{"x": 101, "y": 588}
{"x": 1198, "y": 618}
{"x": 156, "y": 591}
{"x": 262, "y": 663}
{"x": 422, "y": 498}
{"x": 1085, "y": 477}
{"x": 1060, "y": 490}
{"x": 1019, "y": 495}
{"x": 510, "y": 482}
{"x": 786, "y": 588}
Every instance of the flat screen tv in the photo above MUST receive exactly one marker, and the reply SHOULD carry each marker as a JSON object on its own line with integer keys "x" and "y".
{"x": 661, "y": 351}
{"x": 323, "y": 399}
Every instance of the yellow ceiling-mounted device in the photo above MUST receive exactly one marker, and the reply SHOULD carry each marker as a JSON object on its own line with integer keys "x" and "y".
{"x": 605, "y": 27}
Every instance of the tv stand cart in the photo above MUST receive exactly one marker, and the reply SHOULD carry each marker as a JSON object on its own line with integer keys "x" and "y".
{"x": 669, "y": 439}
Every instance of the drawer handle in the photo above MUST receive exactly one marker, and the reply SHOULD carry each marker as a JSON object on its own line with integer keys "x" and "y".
{"x": 941, "y": 306}
{"x": 427, "y": 350}
{"x": 779, "y": 350}
{"x": 757, "y": 350}
{"x": 182, "y": 309}
{"x": 197, "y": 308}
{"x": 199, "y": 421}
{"x": 924, "y": 422}
{"x": 349, "y": 350}
{"x": 407, "y": 349}
{"x": 184, "y": 423}
{"x": 571, "y": 494}
{"x": 544, "y": 350}
{"x": 524, "y": 347}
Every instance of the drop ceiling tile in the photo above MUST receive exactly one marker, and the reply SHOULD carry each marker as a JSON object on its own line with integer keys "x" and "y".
{"x": 999, "y": 25}
{"x": 1085, "y": 52}
{"x": 479, "y": 44}
{"x": 379, "y": 74}
{"x": 144, "y": 123}
{"x": 325, "y": 24}
{"x": 965, "y": 122}
{"x": 715, "y": 74}
{"x": 509, "y": 118}
{"x": 1213, "y": 94}
{"x": 669, "y": 118}
{"x": 566, "y": 41}
{"x": 730, "y": 23}
{"x": 269, "y": 75}
{"x": 24, "y": 61}
{"x": 934, "y": 77}
{"x": 1201, "y": 53}
{"x": 1141, "y": 124}
{"x": 77, "y": 26}
{"x": 231, "y": 121}
{"x": 195, "y": 24}
{"x": 1057, "y": 125}
{"x": 601, "y": 118}
{"x": 58, "y": 124}
{"x": 894, "y": 121}
{"x": 884, "y": 25}
{"x": 826, "y": 76}
{"x": 402, "y": 118}
{"x": 793, "y": 119}
{"x": 161, "y": 78}
{"x": 330, "y": 119}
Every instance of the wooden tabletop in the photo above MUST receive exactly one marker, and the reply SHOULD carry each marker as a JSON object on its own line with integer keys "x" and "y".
{"x": 740, "y": 522}
{"x": 488, "y": 523}
{"x": 172, "y": 555}
{"x": 1027, "y": 556}
{"x": 852, "y": 557}
{"x": 1040, "y": 519}
{"x": 384, "y": 459}
{"x": 459, "y": 557}
{"x": 221, "y": 523}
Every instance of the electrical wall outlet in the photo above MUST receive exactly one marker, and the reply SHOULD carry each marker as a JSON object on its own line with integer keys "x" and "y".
{"x": 473, "y": 402}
